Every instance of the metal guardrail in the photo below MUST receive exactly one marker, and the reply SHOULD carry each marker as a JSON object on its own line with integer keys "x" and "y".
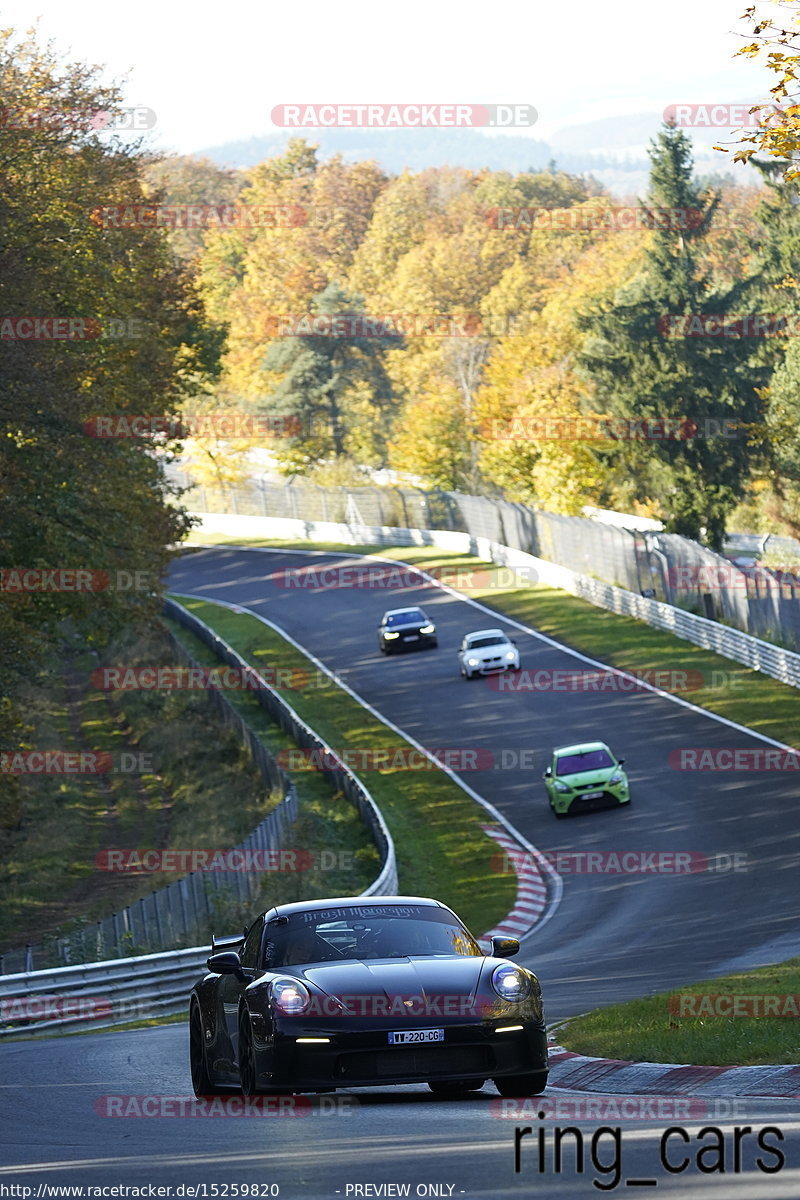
{"x": 104, "y": 994}
{"x": 761, "y": 601}
{"x": 781, "y": 664}
{"x": 99, "y": 995}
{"x": 282, "y": 713}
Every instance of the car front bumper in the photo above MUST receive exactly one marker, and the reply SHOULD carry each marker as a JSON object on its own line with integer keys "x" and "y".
{"x": 601, "y": 796}
{"x": 412, "y": 640}
{"x": 366, "y": 1058}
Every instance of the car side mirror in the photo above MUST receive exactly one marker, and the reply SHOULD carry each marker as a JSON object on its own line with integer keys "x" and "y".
{"x": 504, "y": 947}
{"x": 548, "y": 773}
{"x": 620, "y": 761}
{"x": 227, "y": 962}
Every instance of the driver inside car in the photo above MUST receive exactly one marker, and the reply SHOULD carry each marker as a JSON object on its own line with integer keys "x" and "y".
{"x": 307, "y": 947}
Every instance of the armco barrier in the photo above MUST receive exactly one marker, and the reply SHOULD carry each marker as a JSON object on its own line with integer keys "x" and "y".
{"x": 773, "y": 660}
{"x": 759, "y": 600}
{"x": 339, "y": 776}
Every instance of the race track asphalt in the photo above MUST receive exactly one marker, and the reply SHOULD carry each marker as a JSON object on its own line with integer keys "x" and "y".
{"x": 609, "y": 939}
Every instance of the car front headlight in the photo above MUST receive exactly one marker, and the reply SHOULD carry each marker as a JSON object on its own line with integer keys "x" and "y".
{"x": 389, "y": 636}
{"x": 510, "y": 983}
{"x": 290, "y": 996}
{"x": 473, "y": 662}
{"x": 561, "y": 787}
{"x": 617, "y": 777}
{"x": 427, "y": 629}
{"x": 510, "y": 655}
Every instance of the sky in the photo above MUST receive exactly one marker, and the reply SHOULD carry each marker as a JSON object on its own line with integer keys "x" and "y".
{"x": 213, "y": 74}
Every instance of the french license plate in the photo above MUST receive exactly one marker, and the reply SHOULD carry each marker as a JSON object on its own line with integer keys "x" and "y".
{"x": 593, "y": 795}
{"x": 412, "y": 637}
{"x": 416, "y": 1035}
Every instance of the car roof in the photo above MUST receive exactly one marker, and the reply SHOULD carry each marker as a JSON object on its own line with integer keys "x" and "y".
{"x": 581, "y": 748}
{"x": 486, "y": 632}
{"x": 286, "y": 910}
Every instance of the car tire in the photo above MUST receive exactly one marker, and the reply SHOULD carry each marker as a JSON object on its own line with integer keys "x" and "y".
{"x": 247, "y": 1067}
{"x": 522, "y": 1085}
{"x": 455, "y": 1087}
{"x": 201, "y": 1077}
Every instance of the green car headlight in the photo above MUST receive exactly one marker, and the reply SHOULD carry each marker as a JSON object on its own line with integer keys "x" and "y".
{"x": 561, "y": 787}
{"x": 617, "y": 777}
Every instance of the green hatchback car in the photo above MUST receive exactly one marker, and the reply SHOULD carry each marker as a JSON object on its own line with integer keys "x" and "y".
{"x": 585, "y": 776}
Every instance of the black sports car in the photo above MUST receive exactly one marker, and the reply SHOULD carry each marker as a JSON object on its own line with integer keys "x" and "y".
{"x": 361, "y": 992}
{"x": 402, "y": 628}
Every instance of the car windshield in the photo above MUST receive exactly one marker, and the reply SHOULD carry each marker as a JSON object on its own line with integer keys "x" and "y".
{"x": 412, "y": 617}
{"x": 591, "y": 760}
{"x": 493, "y": 639}
{"x": 316, "y": 937}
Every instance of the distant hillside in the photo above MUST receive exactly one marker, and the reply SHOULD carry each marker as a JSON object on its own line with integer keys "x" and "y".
{"x": 612, "y": 150}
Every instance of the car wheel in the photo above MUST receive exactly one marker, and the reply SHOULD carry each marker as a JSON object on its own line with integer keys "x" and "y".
{"x": 247, "y": 1065}
{"x": 455, "y": 1087}
{"x": 522, "y": 1085}
{"x": 201, "y": 1077}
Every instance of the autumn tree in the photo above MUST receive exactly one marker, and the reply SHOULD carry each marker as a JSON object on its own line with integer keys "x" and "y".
{"x": 322, "y": 376}
{"x": 70, "y": 499}
{"x": 645, "y": 365}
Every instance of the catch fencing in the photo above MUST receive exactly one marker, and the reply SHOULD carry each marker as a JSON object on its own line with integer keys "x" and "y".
{"x": 191, "y": 907}
{"x": 759, "y": 600}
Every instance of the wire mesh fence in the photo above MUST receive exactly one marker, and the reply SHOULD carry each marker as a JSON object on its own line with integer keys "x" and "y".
{"x": 760, "y": 600}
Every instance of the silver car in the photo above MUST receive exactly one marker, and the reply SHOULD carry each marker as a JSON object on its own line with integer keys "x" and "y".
{"x": 486, "y": 652}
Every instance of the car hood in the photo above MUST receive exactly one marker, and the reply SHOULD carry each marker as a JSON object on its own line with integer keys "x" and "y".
{"x": 422, "y": 976}
{"x": 400, "y": 626}
{"x": 587, "y": 778}
{"x": 489, "y": 651}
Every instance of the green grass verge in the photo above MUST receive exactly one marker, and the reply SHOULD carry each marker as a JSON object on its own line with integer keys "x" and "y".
{"x": 654, "y": 1030}
{"x": 727, "y": 688}
{"x": 441, "y": 849}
